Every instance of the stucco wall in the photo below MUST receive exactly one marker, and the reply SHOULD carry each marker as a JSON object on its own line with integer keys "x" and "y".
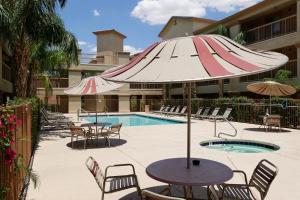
{"x": 109, "y": 42}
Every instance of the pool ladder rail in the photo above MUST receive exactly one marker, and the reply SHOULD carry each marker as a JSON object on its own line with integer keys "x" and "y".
{"x": 221, "y": 133}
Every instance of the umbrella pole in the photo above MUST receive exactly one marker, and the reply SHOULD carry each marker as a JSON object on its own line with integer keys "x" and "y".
{"x": 270, "y": 105}
{"x": 96, "y": 113}
{"x": 189, "y": 126}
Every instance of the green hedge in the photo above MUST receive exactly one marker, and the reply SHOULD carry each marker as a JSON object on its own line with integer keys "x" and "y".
{"x": 249, "y": 110}
{"x": 36, "y": 117}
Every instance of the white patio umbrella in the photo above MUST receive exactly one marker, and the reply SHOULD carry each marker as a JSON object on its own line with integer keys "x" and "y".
{"x": 191, "y": 59}
{"x": 271, "y": 88}
{"x": 92, "y": 86}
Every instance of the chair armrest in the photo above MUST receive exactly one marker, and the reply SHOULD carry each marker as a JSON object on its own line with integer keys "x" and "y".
{"x": 119, "y": 165}
{"x": 244, "y": 174}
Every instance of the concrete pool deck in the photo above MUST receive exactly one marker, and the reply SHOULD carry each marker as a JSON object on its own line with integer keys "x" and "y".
{"x": 63, "y": 174}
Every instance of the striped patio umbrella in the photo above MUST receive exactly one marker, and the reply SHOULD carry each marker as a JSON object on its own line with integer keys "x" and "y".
{"x": 271, "y": 88}
{"x": 92, "y": 86}
{"x": 191, "y": 59}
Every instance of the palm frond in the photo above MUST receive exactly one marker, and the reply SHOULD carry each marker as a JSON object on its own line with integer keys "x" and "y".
{"x": 240, "y": 38}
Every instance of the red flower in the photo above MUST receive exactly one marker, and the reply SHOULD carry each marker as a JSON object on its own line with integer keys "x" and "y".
{"x": 9, "y": 156}
{"x": 18, "y": 122}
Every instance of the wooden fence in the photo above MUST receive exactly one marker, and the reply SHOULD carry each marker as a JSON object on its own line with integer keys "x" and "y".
{"x": 9, "y": 177}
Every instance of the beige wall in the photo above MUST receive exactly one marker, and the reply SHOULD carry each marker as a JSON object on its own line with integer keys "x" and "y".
{"x": 182, "y": 28}
{"x": 109, "y": 42}
{"x": 74, "y": 103}
{"x": 74, "y": 76}
{"x": 124, "y": 103}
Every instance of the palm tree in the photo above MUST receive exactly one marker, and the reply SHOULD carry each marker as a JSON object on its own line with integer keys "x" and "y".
{"x": 239, "y": 38}
{"x": 32, "y": 22}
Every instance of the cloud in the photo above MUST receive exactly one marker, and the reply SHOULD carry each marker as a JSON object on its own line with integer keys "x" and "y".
{"x": 96, "y": 13}
{"x": 82, "y": 43}
{"x": 155, "y": 12}
{"x": 92, "y": 49}
{"x": 132, "y": 50}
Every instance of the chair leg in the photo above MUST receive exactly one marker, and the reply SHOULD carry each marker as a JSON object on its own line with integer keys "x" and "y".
{"x": 102, "y": 197}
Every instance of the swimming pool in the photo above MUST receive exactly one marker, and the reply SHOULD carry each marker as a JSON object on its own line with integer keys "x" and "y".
{"x": 131, "y": 120}
{"x": 240, "y": 146}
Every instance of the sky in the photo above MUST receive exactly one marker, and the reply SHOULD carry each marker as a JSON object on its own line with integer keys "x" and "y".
{"x": 140, "y": 20}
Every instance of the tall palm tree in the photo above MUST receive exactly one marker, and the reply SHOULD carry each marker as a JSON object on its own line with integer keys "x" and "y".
{"x": 32, "y": 22}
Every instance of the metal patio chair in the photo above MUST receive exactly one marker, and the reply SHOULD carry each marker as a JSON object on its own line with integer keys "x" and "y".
{"x": 260, "y": 182}
{"x": 110, "y": 184}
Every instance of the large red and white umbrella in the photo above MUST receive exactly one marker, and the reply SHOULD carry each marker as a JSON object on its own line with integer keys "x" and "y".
{"x": 191, "y": 59}
{"x": 91, "y": 86}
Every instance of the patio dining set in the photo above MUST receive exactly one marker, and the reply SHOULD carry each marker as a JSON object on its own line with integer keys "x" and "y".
{"x": 203, "y": 172}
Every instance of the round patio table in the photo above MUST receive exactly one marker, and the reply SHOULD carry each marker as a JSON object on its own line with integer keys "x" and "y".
{"x": 173, "y": 171}
{"x": 96, "y": 124}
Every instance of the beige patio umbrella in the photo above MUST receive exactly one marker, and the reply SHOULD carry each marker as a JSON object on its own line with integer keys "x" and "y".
{"x": 271, "y": 88}
{"x": 194, "y": 59}
{"x": 93, "y": 85}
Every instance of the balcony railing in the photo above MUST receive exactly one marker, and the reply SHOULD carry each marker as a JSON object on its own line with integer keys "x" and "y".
{"x": 56, "y": 82}
{"x": 6, "y": 72}
{"x": 145, "y": 86}
{"x": 290, "y": 66}
{"x": 274, "y": 29}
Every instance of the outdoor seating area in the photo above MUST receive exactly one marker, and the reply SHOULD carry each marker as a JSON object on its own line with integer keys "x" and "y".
{"x": 148, "y": 175}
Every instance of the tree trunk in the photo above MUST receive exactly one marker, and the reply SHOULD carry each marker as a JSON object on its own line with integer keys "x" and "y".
{"x": 22, "y": 62}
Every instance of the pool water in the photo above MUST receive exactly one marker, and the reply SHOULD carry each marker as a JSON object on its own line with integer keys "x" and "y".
{"x": 240, "y": 146}
{"x": 132, "y": 120}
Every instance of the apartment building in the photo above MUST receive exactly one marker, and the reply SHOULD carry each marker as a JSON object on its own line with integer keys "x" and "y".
{"x": 110, "y": 53}
{"x": 269, "y": 25}
{"x": 6, "y": 86}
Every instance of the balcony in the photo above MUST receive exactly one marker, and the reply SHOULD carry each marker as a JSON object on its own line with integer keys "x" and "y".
{"x": 56, "y": 82}
{"x": 6, "y": 72}
{"x": 291, "y": 66}
{"x": 145, "y": 86}
{"x": 271, "y": 30}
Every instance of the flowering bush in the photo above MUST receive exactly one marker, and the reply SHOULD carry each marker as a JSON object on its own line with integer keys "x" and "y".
{"x": 8, "y": 122}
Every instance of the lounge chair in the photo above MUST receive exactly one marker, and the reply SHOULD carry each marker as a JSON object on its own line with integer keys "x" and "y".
{"x": 110, "y": 184}
{"x": 198, "y": 113}
{"x": 172, "y": 109}
{"x": 54, "y": 123}
{"x": 256, "y": 188}
{"x": 183, "y": 111}
{"x": 148, "y": 195}
{"x": 165, "y": 109}
{"x": 52, "y": 115}
{"x": 112, "y": 131}
{"x": 174, "y": 112}
{"x": 214, "y": 113}
{"x": 160, "y": 110}
{"x": 204, "y": 114}
{"x": 225, "y": 115}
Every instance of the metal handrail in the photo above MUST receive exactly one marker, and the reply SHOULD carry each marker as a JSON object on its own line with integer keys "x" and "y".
{"x": 235, "y": 130}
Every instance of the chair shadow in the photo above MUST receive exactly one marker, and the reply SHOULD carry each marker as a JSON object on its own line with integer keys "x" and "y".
{"x": 264, "y": 130}
{"x": 176, "y": 191}
{"x": 101, "y": 143}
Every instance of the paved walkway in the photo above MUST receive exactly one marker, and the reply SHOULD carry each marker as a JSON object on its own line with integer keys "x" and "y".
{"x": 63, "y": 174}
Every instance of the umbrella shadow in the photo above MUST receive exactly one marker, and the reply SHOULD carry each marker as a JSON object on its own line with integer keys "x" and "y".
{"x": 101, "y": 143}
{"x": 264, "y": 130}
{"x": 176, "y": 191}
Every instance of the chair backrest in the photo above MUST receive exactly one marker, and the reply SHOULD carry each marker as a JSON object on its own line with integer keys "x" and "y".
{"x": 263, "y": 175}
{"x": 215, "y": 112}
{"x": 177, "y": 109}
{"x": 148, "y": 195}
{"x": 166, "y": 109}
{"x": 206, "y": 111}
{"x": 161, "y": 108}
{"x": 227, "y": 113}
{"x": 115, "y": 128}
{"x": 172, "y": 109}
{"x": 183, "y": 110}
{"x": 95, "y": 170}
{"x": 199, "y": 111}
